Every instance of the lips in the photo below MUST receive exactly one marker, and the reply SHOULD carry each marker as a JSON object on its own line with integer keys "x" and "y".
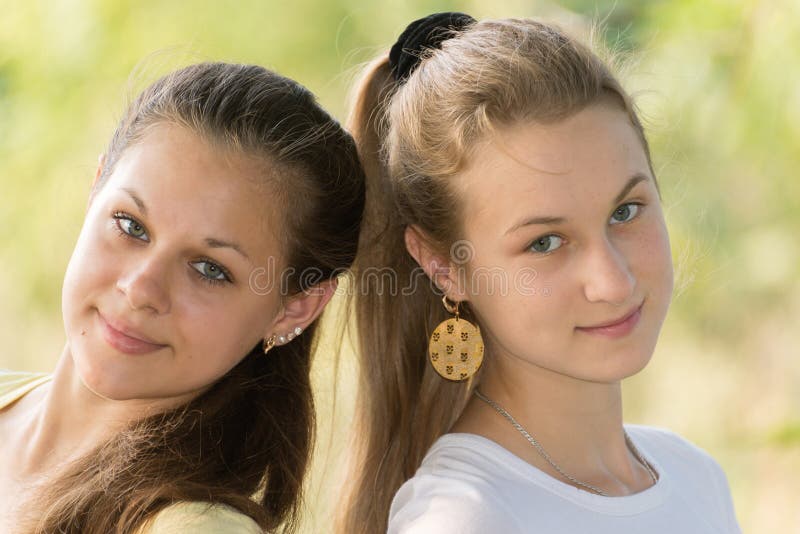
{"x": 125, "y": 338}
{"x": 617, "y": 321}
{"x": 619, "y": 328}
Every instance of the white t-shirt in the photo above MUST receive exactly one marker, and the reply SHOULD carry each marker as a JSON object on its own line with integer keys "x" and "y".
{"x": 468, "y": 484}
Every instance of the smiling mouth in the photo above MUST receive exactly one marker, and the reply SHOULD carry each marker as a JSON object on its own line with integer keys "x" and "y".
{"x": 125, "y": 342}
{"x": 620, "y": 328}
{"x": 617, "y": 322}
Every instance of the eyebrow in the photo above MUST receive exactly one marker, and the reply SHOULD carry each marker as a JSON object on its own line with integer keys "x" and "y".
{"x": 210, "y": 241}
{"x": 139, "y": 202}
{"x": 630, "y": 184}
{"x": 218, "y": 243}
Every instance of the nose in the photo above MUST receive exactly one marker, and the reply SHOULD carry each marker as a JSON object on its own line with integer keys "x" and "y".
{"x": 144, "y": 285}
{"x": 608, "y": 275}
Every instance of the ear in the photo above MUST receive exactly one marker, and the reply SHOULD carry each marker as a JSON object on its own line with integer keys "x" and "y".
{"x": 101, "y": 159}
{"x": 303, "y": 309}
{"x": 439, "y": 269}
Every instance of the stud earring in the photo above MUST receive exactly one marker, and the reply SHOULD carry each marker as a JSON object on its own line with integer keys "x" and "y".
{"x": 294, "y": 333}
{"x": 455, "y": 348}
{"x": 268, "y": 343}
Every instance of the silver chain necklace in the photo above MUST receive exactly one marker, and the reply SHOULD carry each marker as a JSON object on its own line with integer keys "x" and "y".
{"x": 499, "y": 409}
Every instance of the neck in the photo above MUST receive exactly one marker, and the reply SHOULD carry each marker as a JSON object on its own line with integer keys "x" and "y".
{"x": 64, "y": 420}
{"x": 576, "y": 416}
{"x": 577, "y": 422}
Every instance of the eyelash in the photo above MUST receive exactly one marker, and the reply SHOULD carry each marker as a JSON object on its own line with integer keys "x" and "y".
{"x": 121, "y": 215}
{"x": 640, "y": 205}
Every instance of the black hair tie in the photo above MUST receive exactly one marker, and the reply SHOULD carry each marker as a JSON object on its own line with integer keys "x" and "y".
{"x": 427, "y": 32}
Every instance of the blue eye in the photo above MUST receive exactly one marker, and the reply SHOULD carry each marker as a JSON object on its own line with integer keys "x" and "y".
{"x": 624, "y": 211}
{"x": 129, "y": 226}
{"x": 206, "y": 270}
{"x": 542, "y": 244}
{"x": 549, "y": 243}
{"x": 210, "y": 272}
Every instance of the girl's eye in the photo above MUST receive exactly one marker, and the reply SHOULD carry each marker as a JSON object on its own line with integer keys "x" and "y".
{"x": 130, "y": 226}
{"x": 210, "y": 272}
{"x": 206, "y": 270}
{"x": 542, "y": 244}
{"x": 624, "y": 212}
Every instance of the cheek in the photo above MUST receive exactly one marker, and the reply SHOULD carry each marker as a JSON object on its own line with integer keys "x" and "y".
{"x": 516, "y": 306}
{"x": 90, "y": 267}
{"x": 666, "y": 258}
{"x": 654, "y": 260}
{"x": 217, "y": 336}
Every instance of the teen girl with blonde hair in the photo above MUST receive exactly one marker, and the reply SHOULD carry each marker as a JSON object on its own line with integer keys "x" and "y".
{"x": 506, "y": 164}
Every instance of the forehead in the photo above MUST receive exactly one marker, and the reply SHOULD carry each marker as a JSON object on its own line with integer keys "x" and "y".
{"x": 561, "y": 169}
{"x": 188, "y": 185}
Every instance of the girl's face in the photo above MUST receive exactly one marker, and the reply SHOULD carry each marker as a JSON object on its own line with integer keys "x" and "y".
{"x": 568, "y": 215}
{"x": 156, "y": 299}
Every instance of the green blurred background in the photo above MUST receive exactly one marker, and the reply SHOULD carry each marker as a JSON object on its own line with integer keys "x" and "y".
{"x": 717, "y": 84}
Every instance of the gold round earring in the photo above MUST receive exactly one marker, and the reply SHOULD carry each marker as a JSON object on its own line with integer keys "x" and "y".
{"x": 268, "y": 343}
{"x": 455, "y": 348}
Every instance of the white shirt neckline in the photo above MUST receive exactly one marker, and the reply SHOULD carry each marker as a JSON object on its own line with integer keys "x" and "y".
{"x": 633, "y": 504}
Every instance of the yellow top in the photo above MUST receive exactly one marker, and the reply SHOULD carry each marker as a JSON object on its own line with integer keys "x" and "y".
{"x": 14, "y": 385}
{"x": 201, "y": 518}
{"x": 178, "y": 518}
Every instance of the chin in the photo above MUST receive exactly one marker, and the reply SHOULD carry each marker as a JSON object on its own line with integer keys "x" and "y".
{"x": 106, "y": 385}
{"x": 117, "y": 385}
{"x": 110, "y": 380}
{"x": 619, "y": 367}
{"x": 636, "y": 367}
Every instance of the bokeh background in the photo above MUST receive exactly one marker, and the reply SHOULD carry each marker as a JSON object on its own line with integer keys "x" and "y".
{"x": 718, "y": 85}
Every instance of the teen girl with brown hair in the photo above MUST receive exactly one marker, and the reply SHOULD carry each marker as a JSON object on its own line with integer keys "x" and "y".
{"x": 222, "y": 211}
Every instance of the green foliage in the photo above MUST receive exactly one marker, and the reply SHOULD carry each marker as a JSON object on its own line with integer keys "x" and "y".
{"x": 718, "y": 87}
{"x": 787, "y": 435}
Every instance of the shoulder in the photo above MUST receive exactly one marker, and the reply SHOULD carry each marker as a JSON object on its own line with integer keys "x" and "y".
{"x": 454, "y": 491}
{"x": 14, "y": 384}
{"x": 665, "y": 444}
{"x": 201, "y": 518}
{"x": 690, "y": 467}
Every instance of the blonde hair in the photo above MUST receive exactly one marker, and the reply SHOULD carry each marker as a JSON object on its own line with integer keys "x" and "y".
{"x": 413, "y": 137}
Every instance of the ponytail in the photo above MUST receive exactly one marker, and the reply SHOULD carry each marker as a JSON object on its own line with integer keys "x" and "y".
{"x": 403, "y": 406}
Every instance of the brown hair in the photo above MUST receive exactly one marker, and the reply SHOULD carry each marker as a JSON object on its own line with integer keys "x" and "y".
{"x": 413, "y": 138}
{"x": 246, "y": 441}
